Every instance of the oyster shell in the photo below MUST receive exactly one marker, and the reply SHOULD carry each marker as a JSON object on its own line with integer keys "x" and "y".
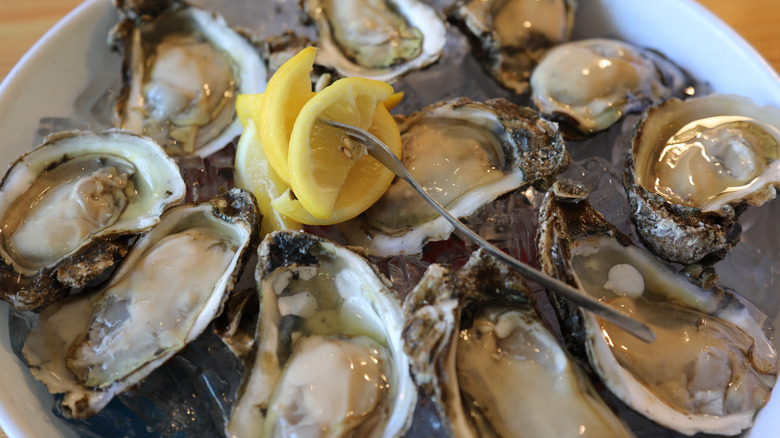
{"x": 465, "y": 154}
{"x": 588, "y": 85}
{"x": 491, "y": 366}
{"x": 327, "y": 355}
{"x": 694, "y": 166}
{"x": 93, "y": 346}
{"x": 182, "y": 69}
{"x": 376, "y": 39}
{"x": 511, "y": 36}
{"x": 68, "y": 208}
{"x": 711, "y": 367}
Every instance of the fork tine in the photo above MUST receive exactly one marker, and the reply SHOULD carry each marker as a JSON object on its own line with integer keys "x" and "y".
{"x": 350, "y": 130}
{"x": 375, "y": 148}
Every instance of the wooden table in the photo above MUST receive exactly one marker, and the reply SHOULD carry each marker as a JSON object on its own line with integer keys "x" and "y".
{"x": 22, "y": 22}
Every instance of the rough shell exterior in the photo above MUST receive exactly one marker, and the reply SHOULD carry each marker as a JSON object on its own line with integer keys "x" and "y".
{"x": 683, "y": 233}
{"x": 678, "y": 232}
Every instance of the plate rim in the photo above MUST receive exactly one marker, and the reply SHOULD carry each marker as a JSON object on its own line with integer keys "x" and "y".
{"x": 14, "y": 410}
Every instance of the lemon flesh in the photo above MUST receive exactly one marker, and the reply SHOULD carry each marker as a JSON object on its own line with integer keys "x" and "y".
{"x": 329, "y": 173}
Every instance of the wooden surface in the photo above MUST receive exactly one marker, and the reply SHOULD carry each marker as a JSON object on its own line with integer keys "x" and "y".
{"x": 22, "y": 22}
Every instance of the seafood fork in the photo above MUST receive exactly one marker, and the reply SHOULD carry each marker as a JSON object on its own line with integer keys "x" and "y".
{"x": 375, "y": 148}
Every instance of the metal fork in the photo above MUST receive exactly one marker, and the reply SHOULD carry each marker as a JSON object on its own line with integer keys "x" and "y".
{"x": 374, "y": 147}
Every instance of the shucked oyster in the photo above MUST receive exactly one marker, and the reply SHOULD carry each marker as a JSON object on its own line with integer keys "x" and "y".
{"x": 711, "y": 367}
{"x": 511, "y": 36}
{"x": 182, "y": 70}
{"x": 93, "y": 346}
{"x": 693, "y": 167}
{"x": 492, "y": 367}
{"x": 588, "y": 85}
{"x": 377, "y": 39}
{"x": 68, "y": 208}
{"x": 465, "y": 154}
{"x": 328, "y": 358}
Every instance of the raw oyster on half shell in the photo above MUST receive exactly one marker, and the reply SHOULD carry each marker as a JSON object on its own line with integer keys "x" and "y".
{"x": 588, "y": 85}
{"x": 376, "y": 39}
{"x": 489, "y": 363}
{"x": 694, "y": 166}
{"x": 174, "y": 281}
{"x": 327, "y": 358}
{"x": 511, "y": 36}
{"x": 182, "y": 70}
{"x": 711, "y": 367}
{"x": 69, "y": 207}
{"x": 465, "y": 154}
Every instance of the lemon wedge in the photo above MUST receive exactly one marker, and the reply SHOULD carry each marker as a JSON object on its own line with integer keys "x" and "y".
{"x": 331, "y": 176}
{"x": 286, "y": 93}
{"x": 254, "y": 173}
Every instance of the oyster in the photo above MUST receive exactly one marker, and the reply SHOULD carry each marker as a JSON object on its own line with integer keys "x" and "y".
{"x": 588, "y": 85}
{"x": 174, "y": 281}
{"x": 328, "y": 358}
{"x": 711, "y": 367}
{"x": 492, "y": 367}
{"x": 68, "y": 208}
{"x": 465, "y": 154}
{"x": 693, "y": 167}
{"x": 511, "y": 36}
{"x": 182, "y": 69}
{"x": 377, "y": 39}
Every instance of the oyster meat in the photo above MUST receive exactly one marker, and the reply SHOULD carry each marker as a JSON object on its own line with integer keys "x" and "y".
{"x": 694, "y": 166}
{"x": 68, "y": 208}
{"x": 182, "y": 69}
{"x": 465, "y": 154}
{"x": 93, "y": 346}
{"x": 491, "y": 366}
{"x": 712, "y": 366}
{"x": 377, "y": 39}
{"x": 588, "y": 85}
{"x": 511, "y": 36}
{"x": 327, "y": 359}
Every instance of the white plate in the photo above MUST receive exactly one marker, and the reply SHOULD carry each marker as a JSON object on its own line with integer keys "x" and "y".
{"x": 60, "y": 66}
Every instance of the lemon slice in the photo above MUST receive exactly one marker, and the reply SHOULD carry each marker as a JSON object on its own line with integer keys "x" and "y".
{"x": 330, "y": 175}
{"x": 286, "y": 93}
{"x": 253, "y": 171}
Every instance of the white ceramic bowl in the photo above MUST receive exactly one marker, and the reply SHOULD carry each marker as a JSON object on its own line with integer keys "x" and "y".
{"x": 61, "y": 65}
